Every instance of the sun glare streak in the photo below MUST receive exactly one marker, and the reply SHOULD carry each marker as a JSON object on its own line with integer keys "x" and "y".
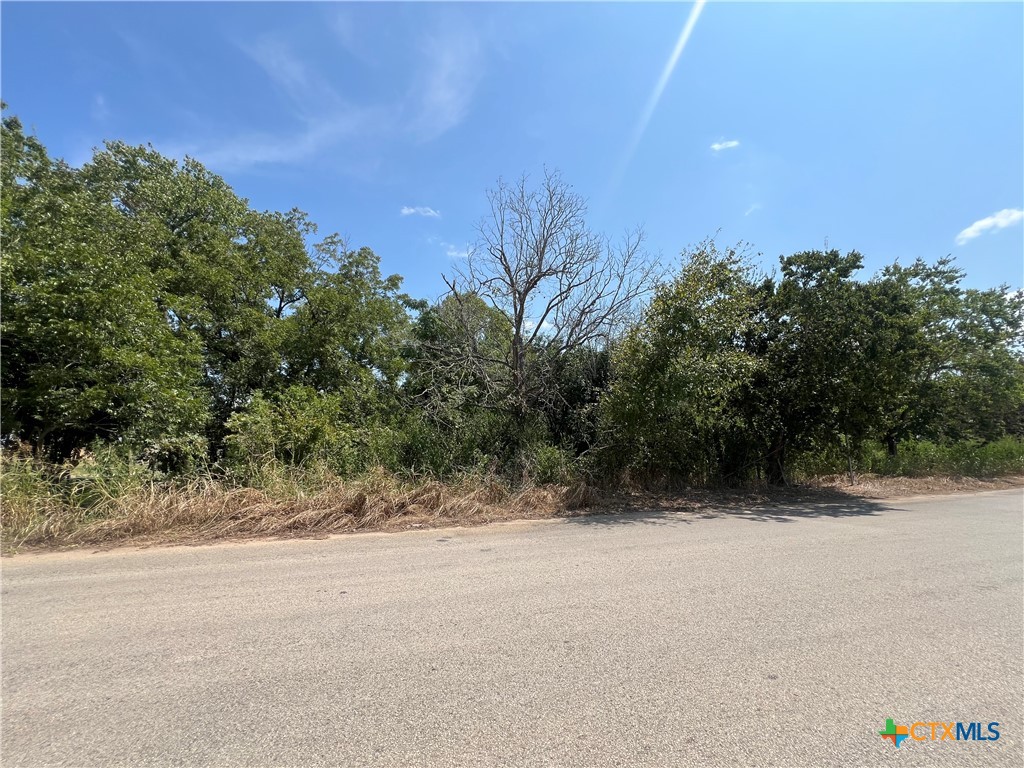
{"x": 656, "y": 94}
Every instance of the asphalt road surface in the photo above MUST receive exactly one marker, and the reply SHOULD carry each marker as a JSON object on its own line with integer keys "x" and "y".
{"x": 778, "y": 636}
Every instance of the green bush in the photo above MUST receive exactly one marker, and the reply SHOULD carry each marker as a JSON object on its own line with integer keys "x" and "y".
{"x": 477, "y": 441}
{"x": 920, "y": 458}
{"x": 301, "y": 427}
{"x": 176, "y": 454}
{"x": 1002, "y": 457}
{"x": 547, "y": 464}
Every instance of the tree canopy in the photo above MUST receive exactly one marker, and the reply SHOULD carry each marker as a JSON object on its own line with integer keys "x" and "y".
{"x": 148, "y": 307}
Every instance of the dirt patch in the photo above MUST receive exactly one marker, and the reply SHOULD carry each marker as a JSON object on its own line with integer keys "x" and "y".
{"x": 877, "y": 487}
{"x": 823, "y": 490}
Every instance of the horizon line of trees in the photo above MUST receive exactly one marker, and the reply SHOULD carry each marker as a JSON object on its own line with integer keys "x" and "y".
{"x": 146, "y": 306}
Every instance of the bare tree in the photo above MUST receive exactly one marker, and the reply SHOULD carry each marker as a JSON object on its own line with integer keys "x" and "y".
{"x": 560, "y": 285}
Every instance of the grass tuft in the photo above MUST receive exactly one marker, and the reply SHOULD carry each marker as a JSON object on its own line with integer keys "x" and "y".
{"x": 75, "y": 509}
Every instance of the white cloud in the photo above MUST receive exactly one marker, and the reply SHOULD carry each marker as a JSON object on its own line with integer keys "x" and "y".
{"x": 321, "y": 117}
{"x": 998, "y": 220}
{"x": 343, "y": 24}
{"x": 530, "y": 325}
{"x": 317, "y": 117}
{"x": 310, "y": 93}
{"x": 454, "y": 252}
{"x": 443, "y": 88}
{"x": 253, "y": 149}
{"x": 420, "y": 210}
{"x": 752, "y": 208}
{"x": 718, "y": 146}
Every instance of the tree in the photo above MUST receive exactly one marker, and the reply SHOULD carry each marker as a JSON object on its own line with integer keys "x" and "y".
{"x": 144, "y": 300}
{"x": 460, "y": 347}
{"x": 560, "y": 286}
{"x": 205, "y": 251}
{"x": 570, "y": 401}
{"x": 349, "y": 332}
{"x": 987, "y": 380}
{"x": 456, "y": 353}
{"x": 946, "y": 362}
{"x": 813, "y": 340}
{"x": 87, "y": 352}
{"x": 678, "y": 374}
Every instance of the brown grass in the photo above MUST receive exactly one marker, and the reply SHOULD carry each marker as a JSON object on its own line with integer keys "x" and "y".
{"x": 33, "y": 516}
{"x": 208, "y": 511}
{"x": 881, "y": 487}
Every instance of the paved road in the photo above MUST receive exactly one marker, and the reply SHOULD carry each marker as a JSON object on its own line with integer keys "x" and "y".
{"x": 781, "y": 636}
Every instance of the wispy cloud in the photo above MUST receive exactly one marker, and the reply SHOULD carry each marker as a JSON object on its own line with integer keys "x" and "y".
{"x": 259, "y": 148}
{"x": 752, "y": 208}
{"x": 998, "y": 220}
{"x": 455, "y": 252}
{"x": 349, "y": 29}
{"x": 443, "y": 88}
{"x": 420, "y": 210}
{"x": 343, "y": 24}
{"x": 718, "y": 146}
{"x": 443, "y": 80}
{"x": 312, "y": 96}
{"x": 322, "y": 117}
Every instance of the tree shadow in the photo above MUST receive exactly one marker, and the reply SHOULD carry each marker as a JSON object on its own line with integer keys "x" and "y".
{"x": 785, "y": 505}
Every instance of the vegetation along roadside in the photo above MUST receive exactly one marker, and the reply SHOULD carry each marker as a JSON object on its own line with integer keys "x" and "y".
{"x": 177, "y": 364}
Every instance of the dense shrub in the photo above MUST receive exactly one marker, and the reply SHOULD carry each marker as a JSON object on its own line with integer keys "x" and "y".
{"x": 301, "y": 427}
{"x": 920, "y": 458}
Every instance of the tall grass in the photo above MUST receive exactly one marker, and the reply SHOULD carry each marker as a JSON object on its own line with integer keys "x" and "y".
{"x": 107, "y": 497}
{"x": 108, "y": 503}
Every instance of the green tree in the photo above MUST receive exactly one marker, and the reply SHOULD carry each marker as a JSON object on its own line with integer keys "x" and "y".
{"x": 458, "y": 348}
{"x": 302, "y": 427}
{"x": 88, "y": 352}
{"x": 351, "y": 327}
{"x": 946, "y": 362}
{"x": 813, "y": 340}
{"x": 206, "y": 252}
{"x": 671, "y": 407}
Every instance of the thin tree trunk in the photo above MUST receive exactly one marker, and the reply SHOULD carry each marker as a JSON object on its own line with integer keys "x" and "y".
{"x": 775, "y": 469}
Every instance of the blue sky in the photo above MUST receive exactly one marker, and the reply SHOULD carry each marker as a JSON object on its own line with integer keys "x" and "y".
{"x": 893, "y": 129}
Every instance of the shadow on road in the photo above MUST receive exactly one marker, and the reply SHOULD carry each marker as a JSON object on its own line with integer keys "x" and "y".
{"x": 784, "y": 506}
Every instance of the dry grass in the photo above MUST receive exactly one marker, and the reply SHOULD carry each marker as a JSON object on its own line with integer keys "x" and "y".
{"x": 208, "y": 511}
{"x": 36, "y": 516}
{"x": 881, "y": 487}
